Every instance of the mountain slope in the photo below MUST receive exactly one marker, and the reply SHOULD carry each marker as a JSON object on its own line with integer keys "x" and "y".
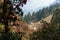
{"x": 48, "y": 19}
{"x": 36, "y": 25}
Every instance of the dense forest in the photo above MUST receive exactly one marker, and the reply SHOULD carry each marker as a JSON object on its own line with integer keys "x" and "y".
{"x": 42, "y": 13}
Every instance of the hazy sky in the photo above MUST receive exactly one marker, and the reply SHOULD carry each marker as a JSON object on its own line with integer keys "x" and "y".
{"x": 34, "y": 5}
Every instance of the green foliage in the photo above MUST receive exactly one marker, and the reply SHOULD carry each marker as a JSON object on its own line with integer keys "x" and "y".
{"x": 56, "y": 17}
{"x": 27, "y": 18}
{"x": 11, "y": 36}
{"x": 51, "y": 32}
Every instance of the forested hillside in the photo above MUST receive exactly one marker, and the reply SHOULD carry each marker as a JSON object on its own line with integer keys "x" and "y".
{"x": 49, "y": 31}
{"x": 42, "y": 13}
{"x": 43, "y": 24}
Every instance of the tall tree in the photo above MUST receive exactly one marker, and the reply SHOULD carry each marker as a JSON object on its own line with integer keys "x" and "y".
{"x": 9, "y": 15}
